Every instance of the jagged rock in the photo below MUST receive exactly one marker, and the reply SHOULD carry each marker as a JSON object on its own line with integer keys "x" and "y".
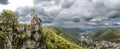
{"x": 34, "y": 33}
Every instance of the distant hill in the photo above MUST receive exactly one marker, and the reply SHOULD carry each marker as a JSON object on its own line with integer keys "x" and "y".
{"x": 57, "y": 41}
{"x": 106, "y": 34}
{"x": 74, "y": 30}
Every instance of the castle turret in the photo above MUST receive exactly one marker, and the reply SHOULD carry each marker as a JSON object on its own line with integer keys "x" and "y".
{"x": 35, "y": 32}
{"x": 33, "y": 13}
{"x": 36, "y": 23}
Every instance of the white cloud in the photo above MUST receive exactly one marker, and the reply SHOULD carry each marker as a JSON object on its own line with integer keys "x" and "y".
{"x": 99, "y": 11}
{"x": 13, "y": 4}
{"x": 69, "y": 13}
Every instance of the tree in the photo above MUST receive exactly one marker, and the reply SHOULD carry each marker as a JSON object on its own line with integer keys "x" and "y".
{"x": 9, "y": 19}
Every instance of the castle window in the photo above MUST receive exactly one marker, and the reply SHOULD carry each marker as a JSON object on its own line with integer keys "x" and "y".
{"x": 33, "y": 32}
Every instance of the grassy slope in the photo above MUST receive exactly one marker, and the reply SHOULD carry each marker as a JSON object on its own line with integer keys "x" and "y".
{"x": 67, "y": 33}
{"x": 55, "y": 41}
{"x": 108, "y": 34}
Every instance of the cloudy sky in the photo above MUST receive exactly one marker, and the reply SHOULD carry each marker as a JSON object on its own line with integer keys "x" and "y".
{"x": 68, "y": 13}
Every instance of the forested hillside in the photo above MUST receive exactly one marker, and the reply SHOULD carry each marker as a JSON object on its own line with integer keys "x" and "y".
{"x": 55, "y": 41}
{"x": 107, "y": 34}
{"x": 67, "y": 33}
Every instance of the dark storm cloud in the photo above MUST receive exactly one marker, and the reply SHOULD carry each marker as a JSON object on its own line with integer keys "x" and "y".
{"x": 67, "y": 3}
{"x": 47, "y": 10}
{"x": 114, "y": 14}
{"x": 24, "y": 13}
{"x": 75, "y": 13}
{"x": 4, "y": 2}
{"x": 63, "y": 3}
{"x": 90, "y": 10}
{"x": 42, "y": 1}
{"x": 38, "y": 1}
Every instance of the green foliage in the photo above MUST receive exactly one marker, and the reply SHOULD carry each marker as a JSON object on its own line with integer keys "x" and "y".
{"x": 108, "y": 34}
{"x": 21, "y": 36}
{"x": 16, "y": 41}
{"x": 67, "y": 33}
{"x": 3, "y": 39}
{"x": 9, "y": 19}
{"x": 55, "y": 41}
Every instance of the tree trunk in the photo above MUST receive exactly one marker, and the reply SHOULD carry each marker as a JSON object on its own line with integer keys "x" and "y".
{"x": 9, "y": 44}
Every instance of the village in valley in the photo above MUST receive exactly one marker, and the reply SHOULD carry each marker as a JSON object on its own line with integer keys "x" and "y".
{"x": 89, "y": 42}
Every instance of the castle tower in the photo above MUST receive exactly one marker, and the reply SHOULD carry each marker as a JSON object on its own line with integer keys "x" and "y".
{"x": 36, "y": 23}
{"x": 33, "y": 13}
{"x": 35, "y": 31}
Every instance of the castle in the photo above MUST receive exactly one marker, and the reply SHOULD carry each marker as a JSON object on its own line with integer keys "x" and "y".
{"x": 33, "y": 33}
{"x": 36, "y": 22}
{"x": 26, "y": 36}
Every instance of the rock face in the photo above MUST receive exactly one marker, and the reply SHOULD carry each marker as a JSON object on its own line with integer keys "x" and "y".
{"x": 34, "y": 36}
